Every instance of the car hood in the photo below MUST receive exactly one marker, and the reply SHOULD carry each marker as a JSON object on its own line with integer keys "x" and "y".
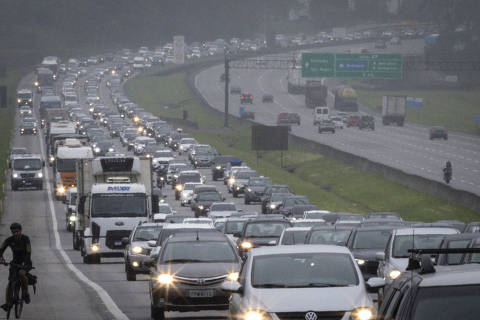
{"x": 198, "y": 270}
{"x": 203, "y": 157}
{"x": 307, "y": 299}
{"x": 257, "y": 189}
{"x": 221, "y": 213}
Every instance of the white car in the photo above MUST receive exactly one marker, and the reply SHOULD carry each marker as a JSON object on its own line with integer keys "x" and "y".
{"x": 222, "y": 210}
{"x": 300, "y": 282}
{"x": 185, "y": 144}
{"x": 186, "y": 195}
{"x": 394, "y": 260}
{"x": 338, "y": 122}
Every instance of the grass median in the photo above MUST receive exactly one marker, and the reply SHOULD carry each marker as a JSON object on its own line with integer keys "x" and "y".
{"x": 7, "y": 123}
{"x": 329, "y": 184}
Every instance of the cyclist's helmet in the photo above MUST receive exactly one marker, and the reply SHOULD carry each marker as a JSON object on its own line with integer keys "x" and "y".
{"x": 15, "y": 226}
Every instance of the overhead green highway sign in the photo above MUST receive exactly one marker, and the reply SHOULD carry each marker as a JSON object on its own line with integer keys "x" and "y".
{"x": 344, "y": 65}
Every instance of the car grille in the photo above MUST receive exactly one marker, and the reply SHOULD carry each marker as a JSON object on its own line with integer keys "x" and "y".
{"x": 370, "y": 267}
{"x": 114, "y": 238}
{"x": 330, "y": 315}
{"x": 27, "y": 175}
{"x": 200, "y": 281}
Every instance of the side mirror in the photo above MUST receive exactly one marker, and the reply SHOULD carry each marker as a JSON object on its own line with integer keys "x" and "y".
{"x": 373, "y": 284}
{"x": 151, "y": 243}
{"x": 380, "y": 256}
{"x": 125, "y": 240}
{"x": 231, "y": 287}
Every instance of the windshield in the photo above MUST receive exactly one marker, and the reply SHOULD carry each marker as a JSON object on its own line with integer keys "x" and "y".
{"x": 294, "y": 237}
{"x": 446, "y": 303}
{"x": 189, "y": 178}
{"x": 293, "y": 201}
{"x": 245, "y": 175}
{"x": 24, "y": 95}
{"x": 278, "y": 197}
{"x": 65, "y": 165}
{"x": 311, "y": 270}
{"x": 209, "y": 196}
{"x": 146, "y": 233}
{"x": 259, "y": 182}
{"x": 189, "y": 186}
{"x": 111, "y": 205}
{"x": 232, "y": 227}
{"x": 164, "y": 209}
{"x": 198, "y": 251}
{"x": 163, "y": 154}
{"x": 329, "y": 236}
{"x": 188, "y": 141}
{"x": 264, "y": 229}
{"x": 401, "y": 244}
{"x": 27, "y": 164}
{"x": 371, "y": 239}
{"x": 223, "y": 207}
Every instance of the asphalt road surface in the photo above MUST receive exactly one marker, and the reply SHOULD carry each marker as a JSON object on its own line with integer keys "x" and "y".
{"x": 406, "y": 148}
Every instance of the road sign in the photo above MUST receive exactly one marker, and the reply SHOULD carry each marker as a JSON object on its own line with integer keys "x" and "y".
{"x": 345, "y": 65}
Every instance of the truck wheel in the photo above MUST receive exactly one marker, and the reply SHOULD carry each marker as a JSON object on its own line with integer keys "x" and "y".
{"x": 156, "y": 313}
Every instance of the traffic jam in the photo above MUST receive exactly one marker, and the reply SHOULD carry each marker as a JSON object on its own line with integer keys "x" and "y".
{"x": 208, "y": 232}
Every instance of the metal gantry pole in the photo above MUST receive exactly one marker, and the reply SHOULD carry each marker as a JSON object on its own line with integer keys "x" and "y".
{"x": 227, "y": 82}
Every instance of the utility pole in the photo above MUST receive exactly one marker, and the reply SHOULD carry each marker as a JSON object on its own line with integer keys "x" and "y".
{"x": 227, "y": 82}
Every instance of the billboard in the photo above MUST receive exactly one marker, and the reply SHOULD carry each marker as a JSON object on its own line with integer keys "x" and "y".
{"x": 269, "y": 138}
{"x": 179, "y": 49}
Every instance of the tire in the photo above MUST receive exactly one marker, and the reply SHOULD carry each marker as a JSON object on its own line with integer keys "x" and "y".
{"x": 18, "y": 302}
{"x": 75, "y": 244}
{"x": 157, "y": 313}
{"x": 246, "y": 200}
{"x": 131, "y": 276}
{"x": 235, "y": 195}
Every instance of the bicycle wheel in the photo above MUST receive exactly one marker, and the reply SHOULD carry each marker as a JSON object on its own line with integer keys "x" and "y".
{"x": 18, "y": 301}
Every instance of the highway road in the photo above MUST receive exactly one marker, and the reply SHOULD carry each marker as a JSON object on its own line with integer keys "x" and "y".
{"x": 67, "y": 288}
{"x": 406, "y": 148}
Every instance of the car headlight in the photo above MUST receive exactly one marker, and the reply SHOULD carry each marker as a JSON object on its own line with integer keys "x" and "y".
{"x": 165, "y": 279}
{"x": 110, "y": 149}
{"x": 362, "y": 314}
{"x": 200, "y": 207}
{"x": 231, "y": 180}
{"x": 246, "y": 245}
{"x": 72, "y": 218}
{"x": 19, "y": 100}
{"x": 360, "y": 262}
{"x": 15, "y": 175}
{"x": 35, "y": 83}
{"x": 272, "y": 206}
{"x": 394, "y": 274}
{"x": 233, "y": 276}
{"x": 61, "y": 190}
{"x": 91, "y": 109}
{"x": 137, "y": 249}
{"x": 39, "y": 175}
{"x": 95, "y": 247}
{"x": 218, "y": 167}
{"x": 255, "y": 315}
{"x": 249, "y": 190}
{"x": 179, "y": 187}
{"x": 51, "y": 159}
{"x": 162, "y": 178}
{"x": 97, "y": 149}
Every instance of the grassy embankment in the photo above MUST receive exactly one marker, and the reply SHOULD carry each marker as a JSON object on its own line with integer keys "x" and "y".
{"x": 451, "y": 108}
{"x": 7, "y": 121}
{"x": 329, "y": 184}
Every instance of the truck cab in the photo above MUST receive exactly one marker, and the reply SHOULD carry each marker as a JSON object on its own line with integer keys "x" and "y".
{"x": 114, "y": 195}
{"x": 320, "y": 114}
{"x": 27, "y": 171}
{"x": 24, "y": 97}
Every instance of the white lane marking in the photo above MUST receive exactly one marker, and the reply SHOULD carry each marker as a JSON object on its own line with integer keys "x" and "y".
{"x": 106, "y": 299}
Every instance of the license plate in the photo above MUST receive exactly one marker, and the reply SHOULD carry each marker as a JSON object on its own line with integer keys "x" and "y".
{"x": 200, "y": 293}
{"x": 118, "y": 243}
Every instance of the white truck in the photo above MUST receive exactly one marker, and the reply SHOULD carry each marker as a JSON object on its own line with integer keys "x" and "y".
{"x": 114, "y": 195}
{"x": 393, "y": 110}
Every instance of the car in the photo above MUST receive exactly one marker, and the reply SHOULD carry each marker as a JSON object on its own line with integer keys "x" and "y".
{"x": 364, "y": 243}
{"x": 186, "y": 195}
{"x": 27, "y": 171}
{"x": 394, "y": 260}
{"x": 334, "y": 235}
{"x": 366, "y": 122}
{"x": 202, "y": 202}
{"x": 267, "y": 98}
{"x": 102, "y": 147}
{"x": 432, "y": 292}
{"x": 184, "y": 177}
{"x": 28, "y": 127}
{"x": 137, "y": 250}
{"x": 25, "y": 111}
{"x": 220, "y": 163}
{"x": 287, "y": 118}
{"x": 233, "y": 227}
{"x": 457, "y": 241}
{"x": 189, "y": 272}
{"x": 326, "y": 126}
{"x": 299, "y": 282}
{"x": 255, "y": 188}
{"x": 438, "y": 133}
{"x": 241, "y": 179}
{"x": 269, "y": 190}
{"x": 353, "y": 121}
{"x": 338, "y": 122}
{"x": 293, "y": 236}
{"x": 286, "y": 207}
{"x": 222, "y": 210}
{"x": 235, "y": 90}
{"x": 246, "y": 98}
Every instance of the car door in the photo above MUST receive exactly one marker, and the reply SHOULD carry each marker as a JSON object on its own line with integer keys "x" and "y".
{"x": 238, "y": 300}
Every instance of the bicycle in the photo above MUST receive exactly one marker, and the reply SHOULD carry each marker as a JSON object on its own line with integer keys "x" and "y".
{"x": 14, "y": 299}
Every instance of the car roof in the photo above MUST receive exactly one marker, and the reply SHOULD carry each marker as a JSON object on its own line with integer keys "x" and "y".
{"x": 188, "y": 226}
{"x": 311, "y": 248}
{"x": 466, "y": 274}
{"x": 419, "y": 231}
{"x": 293, "y": 229}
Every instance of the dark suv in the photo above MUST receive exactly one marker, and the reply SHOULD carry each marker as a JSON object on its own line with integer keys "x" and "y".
{"x": 220, "y": 163}
{"x": 366, "y": 122}
{"x": 438, "y": 132}
{"x": 246, "y": 98}
{"x": 286, "y": 118}
{"x": 255, "y": 188}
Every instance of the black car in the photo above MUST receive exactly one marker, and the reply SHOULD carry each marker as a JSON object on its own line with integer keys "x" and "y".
{"x": 102, "y": 147}
{"x": 246, "y": 98}
{"x": 202, "y": 202}
{"x": 189, "y": 271}
{"x": 438, "y": 133}
{"x": 267, "y": 98}
{"x": 219, "y": 165}
{"x": 366, "y": 122}
{"x": 255, "y": 189}
{"x": 275, "y": 188}
{"x": 28, "y": 128}
{"x": 289, "y": 202}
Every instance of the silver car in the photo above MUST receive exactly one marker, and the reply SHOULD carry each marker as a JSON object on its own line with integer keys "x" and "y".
{"x": 323, "y": 282}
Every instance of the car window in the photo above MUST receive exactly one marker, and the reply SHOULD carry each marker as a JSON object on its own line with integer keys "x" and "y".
{"x": 402, "y": 243}
{"x": 294, "y": 237}
{"x": 146, "y": 233}
{"x": 199, "y": 251}
{"x": 232, "y": 227}
{"x": 267, "y": 229}
{"x": 376, "y": 239}
{"x": 329, "y": 236}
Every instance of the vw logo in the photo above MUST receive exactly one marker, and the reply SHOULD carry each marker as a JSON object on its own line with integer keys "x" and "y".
{"x": 201, "y": 281}
{"x": 311, "y": 316}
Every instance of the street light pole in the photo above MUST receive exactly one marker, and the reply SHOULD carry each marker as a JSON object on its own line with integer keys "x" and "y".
{"x": 227, "y": 81}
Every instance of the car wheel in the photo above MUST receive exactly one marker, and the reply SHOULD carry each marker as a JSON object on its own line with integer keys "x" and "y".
{"x": 235, "y": 195}
{"x": 40, "y": 186}
{"x": 131, "y": 276}
{"x": 177, "y": 197}
{"x": 157, "y": 313}
{"x": 246, "y": 200}
{"x": 14, "y": 187}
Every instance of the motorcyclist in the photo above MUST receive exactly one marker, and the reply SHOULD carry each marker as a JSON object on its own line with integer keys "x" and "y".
{"x": 21, "y": 250}
{"x": 447, "y": 172}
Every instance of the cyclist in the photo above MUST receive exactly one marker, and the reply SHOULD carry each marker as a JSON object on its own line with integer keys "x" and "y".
{"x": 21, "y": 250}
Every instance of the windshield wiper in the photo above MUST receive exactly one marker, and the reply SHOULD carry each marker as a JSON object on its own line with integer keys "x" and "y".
{"x": 324, "y": 285}
{"x": 270, "y": 285}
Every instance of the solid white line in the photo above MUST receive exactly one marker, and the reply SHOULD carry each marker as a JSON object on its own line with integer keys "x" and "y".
{"x": 106, "y": 299}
